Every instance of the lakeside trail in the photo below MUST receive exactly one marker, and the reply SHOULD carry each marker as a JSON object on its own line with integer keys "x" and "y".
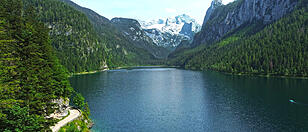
{"x": 74, "y": 114}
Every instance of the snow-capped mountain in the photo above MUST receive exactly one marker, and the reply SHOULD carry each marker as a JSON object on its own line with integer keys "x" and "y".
{"x": 170, "y": 32}
{"x": 131, "y": 29}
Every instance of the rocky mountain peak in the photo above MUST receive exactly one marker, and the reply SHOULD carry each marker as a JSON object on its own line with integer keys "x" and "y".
{"x": 124, "y": 21}
{"x": 217, "y": 2}
{"x": 210, "y": 10}
{"x": 221, "y": 19}
{"x": 131, "y": 29}
{"x": 169, "y": 32}
{"x": 187, "y": 30}
{"x": 171, "y": 25}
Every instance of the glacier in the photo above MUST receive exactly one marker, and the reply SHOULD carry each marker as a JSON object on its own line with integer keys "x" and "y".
{"x": 170, "y": 32}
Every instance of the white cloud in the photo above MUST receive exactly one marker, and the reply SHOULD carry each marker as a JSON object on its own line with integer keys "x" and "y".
{"x": 170, "y": 10}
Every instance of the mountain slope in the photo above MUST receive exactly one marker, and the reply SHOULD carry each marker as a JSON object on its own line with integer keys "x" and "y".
{"x": 72, "y": 35}
{"x": 121, "y": 50}
{"x": 278, "y": 49}
{"x": 131, "y": 29}
{"x": 86, "y": 41}
{"x": 30, "y": 74}
{"x": 223, "y": 19}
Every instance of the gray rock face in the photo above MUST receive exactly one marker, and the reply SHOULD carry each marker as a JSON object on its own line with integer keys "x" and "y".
{"x": 61, "y": 104}
{"x": 170, "y": 32}
{"x": 132, "y": 30}
{"x": 187, "y": 30}
{"x": 214, "y": 5}
{"x": 165, "y": 39}
{"x": 224, "y": 18}
{"x": 125, "y": 21}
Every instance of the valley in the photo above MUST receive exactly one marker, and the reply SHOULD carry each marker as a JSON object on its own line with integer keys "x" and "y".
{"x": 135, "y": 71}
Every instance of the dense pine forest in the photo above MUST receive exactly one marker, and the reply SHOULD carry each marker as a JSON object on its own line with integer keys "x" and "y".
{"x": 72, "y": 35}
{"x": 121, "y": 51}
{"x": 85, "y": 41}
{"x": 31, "y": 76}
{"x": 36, "y": 39}
{"x": 278, "y": 49}
{"x": 43, "y": 41}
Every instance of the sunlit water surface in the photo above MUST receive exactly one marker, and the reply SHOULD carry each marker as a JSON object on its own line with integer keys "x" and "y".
{"x": 175, "y": 100}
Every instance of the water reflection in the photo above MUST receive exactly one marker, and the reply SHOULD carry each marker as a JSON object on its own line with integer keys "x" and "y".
{"x": 167, "y": 99}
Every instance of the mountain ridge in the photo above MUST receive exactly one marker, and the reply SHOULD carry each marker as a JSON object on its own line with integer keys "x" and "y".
{"x": 170, "y": 32}
{"x": 131, "y": 29}
{"x": 221, "y": 21}
{"x": 120, "y": 50}
{"x": 256, "y": 47}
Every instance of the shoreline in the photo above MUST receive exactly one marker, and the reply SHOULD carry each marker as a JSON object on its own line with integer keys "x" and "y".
{"x": 166, "y": 66}
{"x": 123, "y": 67}
{"x": 89, "y": 72}
{"x": 252, "y": 75}
{"x": 265, "y": 76}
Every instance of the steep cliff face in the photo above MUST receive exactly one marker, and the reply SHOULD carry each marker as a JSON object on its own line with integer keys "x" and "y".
{"x": 221, "y": 19}
{"x": 214, "y": 5}
{"x": 187, "y": 30}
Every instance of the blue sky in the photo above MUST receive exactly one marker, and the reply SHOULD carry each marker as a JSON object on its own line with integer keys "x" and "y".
{"x": 148, "y": 9}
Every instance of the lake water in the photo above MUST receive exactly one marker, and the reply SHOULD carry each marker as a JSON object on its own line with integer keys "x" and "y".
{"x": 175, "y": 100}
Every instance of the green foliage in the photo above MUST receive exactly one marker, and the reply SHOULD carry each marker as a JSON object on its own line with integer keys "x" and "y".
{"x": 86, "y": 110}
{"x": 79, "y": 101}
{"x": 119, "y": 49}
{"x": 85, "y": 41}
{"x": 72, "y": 35}
{"x": 73, "y": 127}
{"x": 229, "y": 40}
{"x": 279, "y": 49}
{"x": 81, "y": 104}
{"x": 81, "y": 124}
{"x": 30, "y": 74}
{"x": 19, "y": 119}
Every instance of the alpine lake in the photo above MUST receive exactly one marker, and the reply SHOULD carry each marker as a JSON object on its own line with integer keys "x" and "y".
{"x": 153, "y": 99}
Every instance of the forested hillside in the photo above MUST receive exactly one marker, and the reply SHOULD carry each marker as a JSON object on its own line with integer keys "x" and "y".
{"x": 120, "y": 49}
{"x": 132, "y": 30}
{"x": 279, "y": 49}
{"x": 223, "y": 19}
{"x": 72, "y": 35}
{"x": 30, "y": 74}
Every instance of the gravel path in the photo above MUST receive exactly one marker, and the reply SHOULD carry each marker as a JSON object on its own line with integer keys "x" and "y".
{"x": 74, "y": 114}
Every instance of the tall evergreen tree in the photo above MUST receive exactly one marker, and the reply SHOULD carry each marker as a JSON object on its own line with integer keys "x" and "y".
{"x": 30, "y": 74}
